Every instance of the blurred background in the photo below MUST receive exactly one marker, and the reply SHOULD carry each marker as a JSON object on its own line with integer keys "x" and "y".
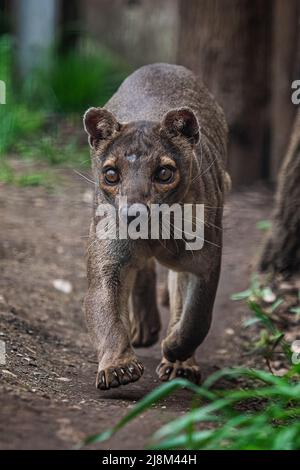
{"x": 59, "y": 57}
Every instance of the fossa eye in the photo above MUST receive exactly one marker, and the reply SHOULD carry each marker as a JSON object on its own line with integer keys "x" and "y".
{"x": 111, "y": 176}
{"x": 164, "y": 174}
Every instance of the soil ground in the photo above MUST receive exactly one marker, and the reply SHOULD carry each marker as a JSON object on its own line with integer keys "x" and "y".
{"x": 47, "y": 394}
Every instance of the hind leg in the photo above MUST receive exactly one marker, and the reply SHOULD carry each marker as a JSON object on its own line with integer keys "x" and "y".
{"x": 144, "y": 314}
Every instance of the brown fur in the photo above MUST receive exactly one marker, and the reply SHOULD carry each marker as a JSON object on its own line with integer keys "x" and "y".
{"x": 161, "y": 113}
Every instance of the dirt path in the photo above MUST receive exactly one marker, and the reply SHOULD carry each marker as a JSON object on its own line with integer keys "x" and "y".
{"x": 47, "y": 394}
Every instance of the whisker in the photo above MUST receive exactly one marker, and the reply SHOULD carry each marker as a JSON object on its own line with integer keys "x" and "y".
{"x": 206, "y": 170}
{"x": 109, "y": 231}
{"x": 195, "y": 236}
{"x": 84, "y": 177}
{"x": 201, "y": 158}
{"x": 208, "y": 223}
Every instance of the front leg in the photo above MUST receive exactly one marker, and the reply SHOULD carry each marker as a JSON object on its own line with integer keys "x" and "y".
{"x": 111, "y": 276}
{"x": 189, "y": 327}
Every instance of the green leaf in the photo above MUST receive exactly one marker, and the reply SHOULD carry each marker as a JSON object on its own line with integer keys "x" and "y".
{"x": 241, "y": 295}
{"x": 251, "y": 321}
{"x": 264, "y": 225}
{"x": 153, "y": 397}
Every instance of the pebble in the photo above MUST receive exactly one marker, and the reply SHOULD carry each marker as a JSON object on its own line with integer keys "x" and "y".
{"x": 222, "y": 351}
{"x": 38, "y": 202}
{"x": 88, "y": 196}
{"x": 229, "y": 331}
{"x": 280, "y": 372}
{"x": 7, "y": 372}
{"x": 63, "y": 286}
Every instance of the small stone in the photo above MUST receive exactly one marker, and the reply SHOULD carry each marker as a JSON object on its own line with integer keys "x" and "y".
{"x": 229, "y": 331}
{"x": 281, "y": 372}
{"x": 222, "y": 351}
{"x": 88, "y": 196}
{"x": 286, "y": 287}
{"x": 38, "y": 202}
{"x": 63, "y": 379}
{"x": 7, "y": 372}
{"x": 63, "y": 286}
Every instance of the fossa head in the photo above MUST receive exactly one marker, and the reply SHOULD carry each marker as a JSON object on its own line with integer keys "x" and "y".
{"x": 148, "y": 162}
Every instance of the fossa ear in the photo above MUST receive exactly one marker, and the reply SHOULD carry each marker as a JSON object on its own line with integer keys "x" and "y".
{"x": 99, "y": 124}
{"x": 182, "y": 122}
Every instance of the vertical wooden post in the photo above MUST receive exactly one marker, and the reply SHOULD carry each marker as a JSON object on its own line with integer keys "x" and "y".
{"x": 228, "y": 43}
{"x": 285, "y": 41}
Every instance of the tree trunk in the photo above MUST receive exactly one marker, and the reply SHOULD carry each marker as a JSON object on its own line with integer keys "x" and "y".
{"x": 227, "y": 42}
{"x": 281, "y": 254}
{"x": 285, "y": 69}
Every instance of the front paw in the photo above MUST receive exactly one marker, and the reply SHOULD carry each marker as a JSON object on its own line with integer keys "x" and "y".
{"x": 119, "y": 374}
{"x": 188, "y": 369}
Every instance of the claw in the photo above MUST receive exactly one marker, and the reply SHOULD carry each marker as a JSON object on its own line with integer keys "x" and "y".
{"x": 114, "y": 377}
{"x": 187, "y": 369}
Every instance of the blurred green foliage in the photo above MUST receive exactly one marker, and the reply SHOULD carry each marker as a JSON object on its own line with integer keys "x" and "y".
{"x": 42, "y": 115}
{"x": 75, "y": 81}
{"x": 17, "y": 120}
